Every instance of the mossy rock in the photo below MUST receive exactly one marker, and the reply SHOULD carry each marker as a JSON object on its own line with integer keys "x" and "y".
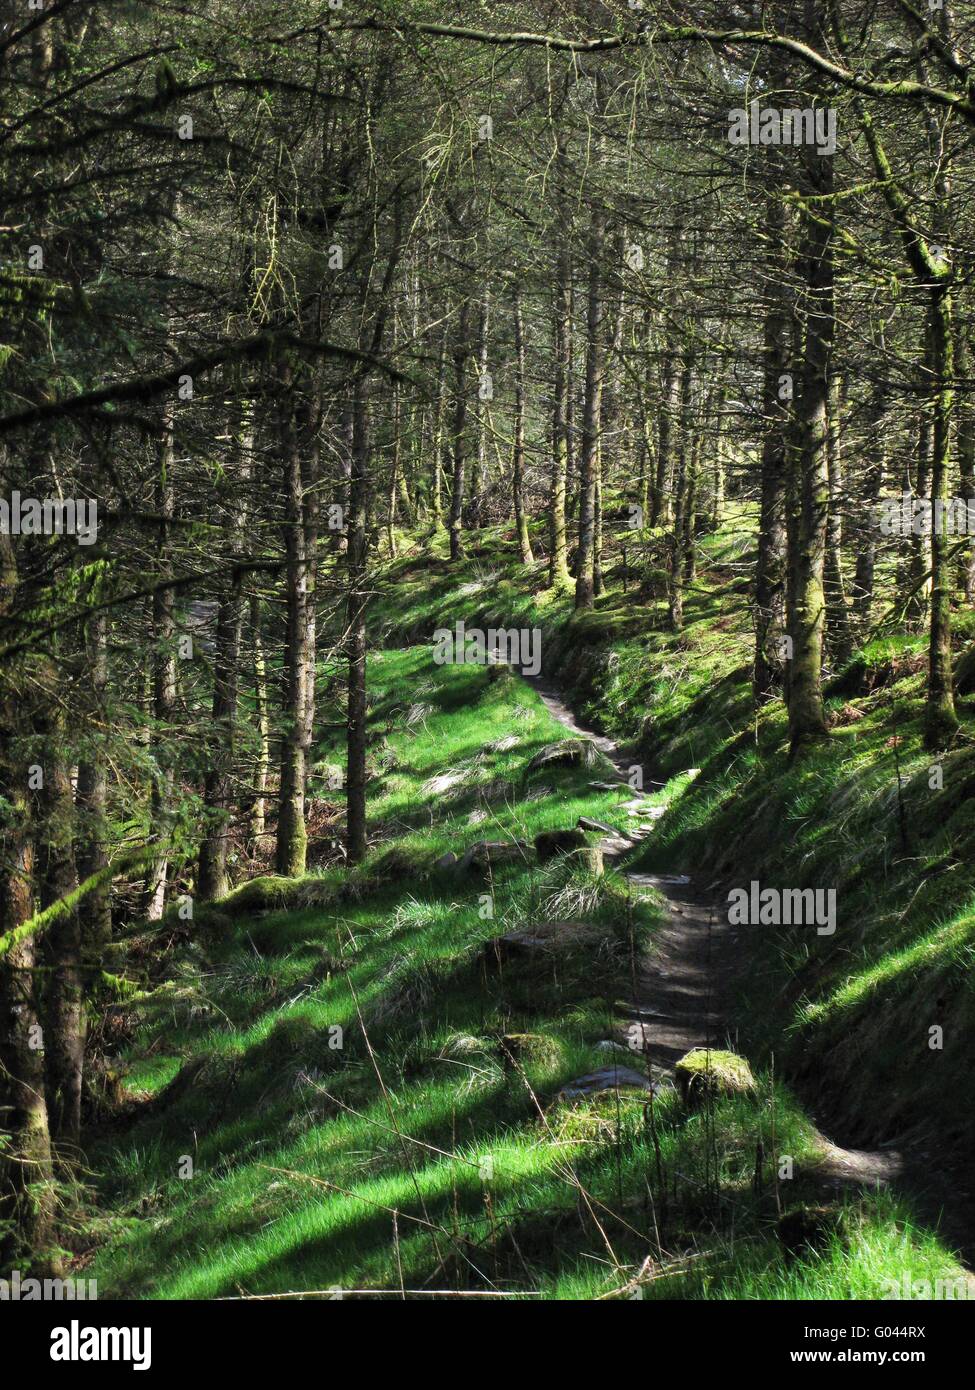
{"x": 540, "y": 940}
{"x": 492, "y": 854}
{"x": 705, "y": 1072}
{"x": 395, "y": 864}
{"x": 499, "y": 671}
{"x": 552, "y": 842}
{"x": 273, "y": 893}
{"x": 809, "y": 1230}
{"x": 524, "y": 1049}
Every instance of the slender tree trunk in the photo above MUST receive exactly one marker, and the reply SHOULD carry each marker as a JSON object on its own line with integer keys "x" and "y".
{"x": 917, "y": 578}
{"x": 590, "y": 424}
{"x": 770, "y": 578}
{"x": 213, "y": 879}
{"x": 292, "y": 841}
{"x": 941, "y": 721}
{"x": 480, "y": 482}
{"x": 660, "y": 510}
{"x": 598, "y": 586}
{"x": 713, "y": 451}
{"x": 458, "y": 440}
{"x": 807, "y": 716}
{"x": 163, "y": 676}
{"x": 690, "y": 511}
{"x": 91, "y": 800}
{"x": 838, "y": 628}
{"x": 558, "y": 564}
{"x": 610, "y": 433}
{"x": 660, "y": 503}
{"x": 966, "y": 454}
{"x": 408, "y": 471}
{"x": 439, "y": 431}
{"x": 518, "y": 453}
{"x": 262, "y": 723}
{"x": 356, "y": 836}
{"x": 394, "y": 473}
{"x": 64, "y": 1032}
{"x": 874, "y": 469}
{"x": 676, "y": 536}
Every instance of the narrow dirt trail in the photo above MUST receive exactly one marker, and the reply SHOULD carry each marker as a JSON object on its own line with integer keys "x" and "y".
{"x": 682, "y": 990}
{"x": 679, "y": 1001}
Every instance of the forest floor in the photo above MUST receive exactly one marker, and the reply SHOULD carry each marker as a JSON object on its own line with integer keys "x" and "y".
{"x": 377, "y": 1082}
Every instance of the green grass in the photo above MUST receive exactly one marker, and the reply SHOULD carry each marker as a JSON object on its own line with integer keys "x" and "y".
{"x": 329, "y": 1052}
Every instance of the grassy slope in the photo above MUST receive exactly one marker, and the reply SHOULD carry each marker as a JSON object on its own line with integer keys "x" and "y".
{"x": 301, "y": 1153}
{"x": 863, "y": 815}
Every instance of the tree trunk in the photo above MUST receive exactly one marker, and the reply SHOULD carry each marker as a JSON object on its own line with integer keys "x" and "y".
{"x": 292, "y": 840}
{"x": 91, "y": 798}
{"x": 660, "y": 508}
{"x": 965, "y": 431}
{"x": 916, "y": 577}
{"x": 355, "y": 786}
{"x": 770, "y": 578}
{"x": 941, "y": 721}
{"x": 213, "y": 880}
{"x": 838, "y": 629}
{"x": 64, "y": 1033}
{"x": 438, "y": 431}
{"x": 458, "y": 441}
{"x": 518, "y": 454}
{"x": 807, "y": 716}
{"x": 262, "y": 723}
{"x": 558, "y": 563}
{"x": 875, "y": 462}
{"x": 394, "y": 471}
{"x": 592, "y": 411}
{"x": 676, "y": 536}
{"x": 480, "y": 481}
{"x": 163, "y": 677}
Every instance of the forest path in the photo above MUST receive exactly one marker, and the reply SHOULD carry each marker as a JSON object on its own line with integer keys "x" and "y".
{"x": 681, "y": 1000}
{"x": 677, "y": 1000}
